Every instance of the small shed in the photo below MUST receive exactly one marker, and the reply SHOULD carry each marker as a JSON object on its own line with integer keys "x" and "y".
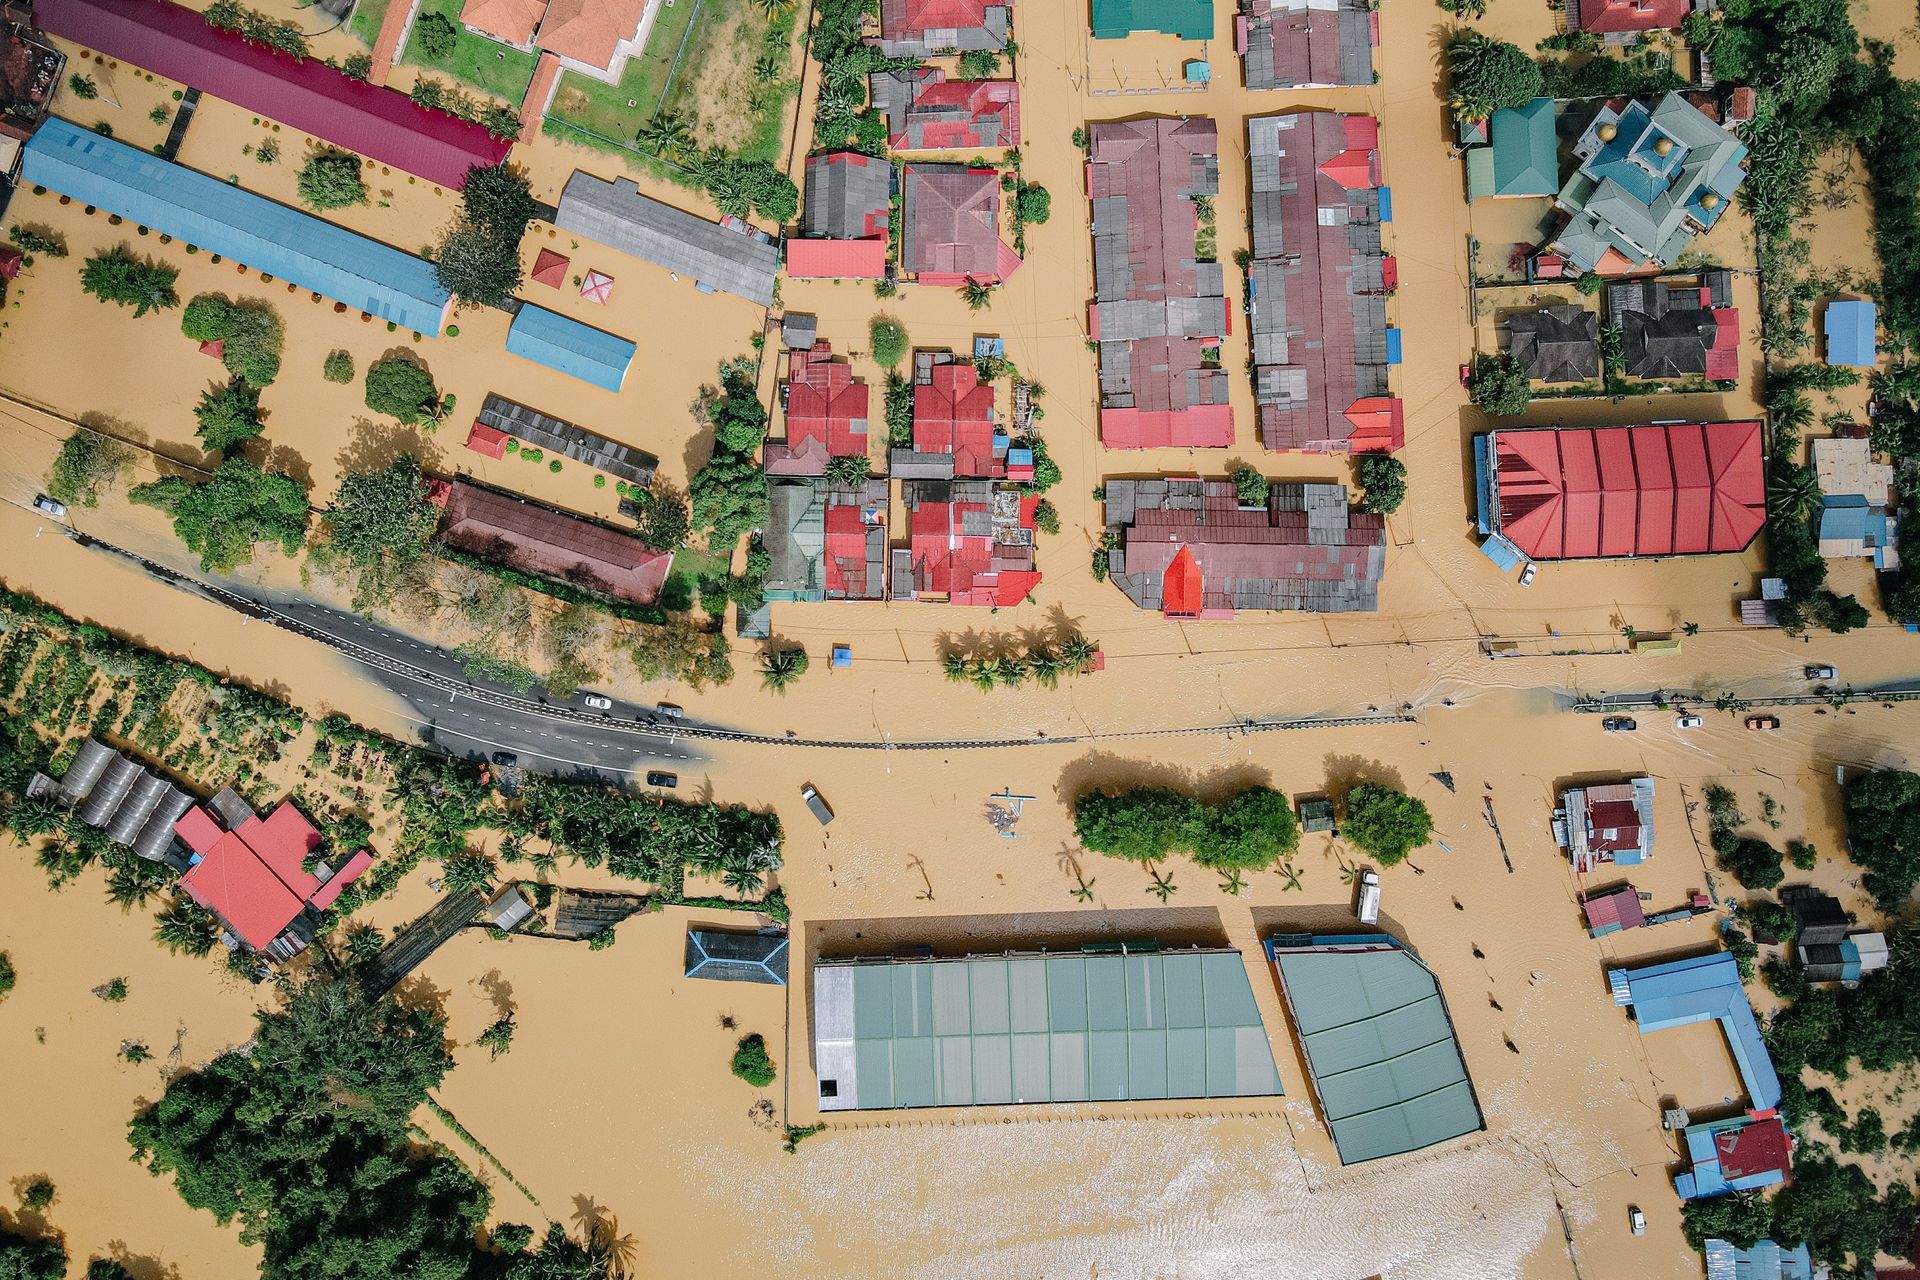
{"x": 1613, "y": 911}
{"x": 842, "y": 655}
{"x": 215, "y": 347}
{"x": 11, "y": 259}
{"x": 486, "y": 440}
{"x": 597, "y": 288}
{"x": 1849, "y": 326}
{"x": 1316, "y": 813}
{"x": 798, "y": 332}
{"x": 550, "y": 269}
{"x": 510, "y": 909}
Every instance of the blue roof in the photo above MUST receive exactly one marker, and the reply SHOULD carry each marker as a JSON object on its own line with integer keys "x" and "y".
{"x": 1503, "y": 553}
{"x": 1850, "y": 340}
{"x": 1845, "y": 521}
{"x": 589, "y": 354}
{"x": 1765, "y": 1261}
{"x": 285, "y": 243}
{"x": 1386, "y": 204}
{"x": 1393, "y": 345}
{"x": 1694, "y": 990}
{"x": 737, "y": 957}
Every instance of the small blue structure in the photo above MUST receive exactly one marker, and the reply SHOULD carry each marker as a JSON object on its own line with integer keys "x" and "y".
{"x": 737, "y": 957}
{"x": 1849, "y": 326}
{"x": 305, "y": 251}
{"x": 842, "y": 655}
{"x": 1765, "y": 1261}
{"x": 589, "y": 354}
{"x": 1393, "y": 345}
{"x": 1198, "y": 71}
{"x": 989, "y": 348}
{"x": 1502, "y": 552}
{"x": 1694, "y": 990}
{"x": 1386, "y": 204}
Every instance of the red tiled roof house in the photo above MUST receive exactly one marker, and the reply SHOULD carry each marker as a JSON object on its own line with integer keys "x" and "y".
{"x": 951, "y": 231}
{"x": 826, "y": 415}
{"x": 254, "y": 877}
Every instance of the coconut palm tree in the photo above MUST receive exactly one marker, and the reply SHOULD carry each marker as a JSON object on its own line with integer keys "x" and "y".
{"x": 977, "y": 295}
{"x": 667, "y": 134}
{"x": 30, "y": 818}
{"x": 1291, "y": 878}
{"x": 956, "y": 667}
{"x": 781, "y": 667}
{"x": 1793, "y": 492}
{"x": 1078, "y": 652}
{"x": 186, "y": 928}
{"x": 1234, "y": 882}
{"x": 1046, "y": 666}
{"x": 983, "y": 674}
{"x": 744, "y": 881}
{"x": 773, "y": 8}
{"x": 1010, "y": 670}
{"x": 1162, "y": 886}
{"x": 1083, "y": 887}
{"x": 1789, "y": 413}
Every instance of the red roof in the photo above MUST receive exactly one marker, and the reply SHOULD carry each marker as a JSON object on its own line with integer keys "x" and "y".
{"x": 376, "y": 122}
{"x": 1379, "y": 425}
{"x": 955, "y": 554}
{"x": 952, "y": 221}
{"x": 1200, "y": 426}
{"x": 488, "y": 440}
{"x": 904, "y": 19}
{"x": 330, "y": 891}
{"x": 253, "y": 878}
{"x": 952, "y": 115}
{"x": 837, "y": 259}
{"x": 1758, "y": 1147}
{"x": 1681, "y": 489}
{"x": 953, "y": 414}
{"x": 1723, "y": 357}
{"x": 198, "y": 829}
{"x": 284, "y": 840}
{"x": 825, "y": 403}
{"x": 215, "y": 347}
{"x": 1620, "y": 906}
{"x": 845, "y": 561}
{"x": 541, "y": 540}
{"x": 10, "y": 260}
{"x": 550, "y": 269}
{"x": 1181, "y": 591}
{"x": 1603, "y": 16}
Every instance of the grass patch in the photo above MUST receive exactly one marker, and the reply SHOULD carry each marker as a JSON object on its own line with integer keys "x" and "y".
{"x": 367, "y": 17}
{"x": 602, "y": 108}
{"x": 492, "y": 68}
{"x": 718, "y": 89}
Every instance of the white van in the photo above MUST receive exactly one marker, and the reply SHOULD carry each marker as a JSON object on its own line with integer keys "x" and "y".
{"x": 1370, "y": 897}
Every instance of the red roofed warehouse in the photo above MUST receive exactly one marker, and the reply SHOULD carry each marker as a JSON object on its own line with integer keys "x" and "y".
{"x": 1580, "y": 493}
{"x": 1604, "y": 17}
{"x": 970, "y": 542}
{"x": 253, "y": 874}
{"x": 954, "y": 423}
{"x": 1157, "y": 308}
{"x": 826, "y": 415}
{"x": 927, "y": 112}
{"x": 552, "y": 544}
{"x": 177, "y": 43}
{"x": 924, "y": 28}
{"x": 951, "y": 226}
{"x": 1317, "y": 285}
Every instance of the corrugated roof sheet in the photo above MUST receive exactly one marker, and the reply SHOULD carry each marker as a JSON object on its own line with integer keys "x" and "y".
{"x": 1379, "y": 1042}
{"x": 540, "y": 540}
{"x": 1294, "y": 44}
{"x": 952, "y": 223}
{"x": 847, "y": 197}
{"x": 737, "y": 957}
{"x": 556, "y": 435}
{"x": 1025, "y": 1028}
{"x": 176, "y": 42}
{"x": 618, "y": 216}
{"x": 924, "y": 28}
{"x": 925, "y": 111}
{"x": 1696, "y": 990}
{"x": 1184, "y": 19}
{"x": 1849, "y": 325}
{"x": 293, "y": 246}
{"x": 563, "y": 343}
{"x": 836, "y": 259}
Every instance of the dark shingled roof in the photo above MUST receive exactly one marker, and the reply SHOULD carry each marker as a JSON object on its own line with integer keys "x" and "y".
{"x": 1556, "y": 344}
{"x": 847, "y": 196}
{"x": 555, "y": 435}
{"x": 1667, "y": 330}
{"x": 952, "y": 222}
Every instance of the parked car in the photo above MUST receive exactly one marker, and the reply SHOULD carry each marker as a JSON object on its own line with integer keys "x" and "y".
{"x": 1688, "y": 722}
{"x": 815, "y": 803}
{"x": 1618, "y": 724}
{"x": 1636, "y": 1219}
{"x": 1369, "y": 912}
{"x": 659, "y": 779}
{"x": 505, "y": 759}
{"x": 48, "y": 506}
{"x": 671, "y": 710}
{"x": 1821, "y": 672}
{"x": 598, "y": 701}
{"x": 1526, "y": 574}
{"x": 1763, "y": 724}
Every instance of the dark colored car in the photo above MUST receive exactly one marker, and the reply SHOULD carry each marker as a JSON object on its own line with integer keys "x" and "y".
{"x": 505, "y": 759}
{"x": 1618, "y": 724}
{"x": 658, "y": 779}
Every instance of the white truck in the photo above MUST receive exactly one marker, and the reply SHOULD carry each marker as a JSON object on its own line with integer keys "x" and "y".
{"x": 1369, "y": 897}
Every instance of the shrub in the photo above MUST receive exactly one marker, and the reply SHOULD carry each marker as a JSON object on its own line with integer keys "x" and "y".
{"x": 751, "y": 1061}
{"x": 402, "y": 390}
{"x": 115, "y": 992}
{"x": 1485, "y": 75}
{"x": 436, "y": 35}
{"x": 1046, "y": 518}
{"x": 41, "y": 240}
{"x": 1589, "y": 283}
{"x": 1499, "y": 385}
{"x": 1033, "y": 204}
{"x": 83, "y": 87}
{"x": 979, "y": 64}
{"x": 887, "y": 339}
{"x": 599, "y": 481}
{"x": 358, "y": 66}
{"x": 1386, "y": 823}
{"x": 330, "y": 179}
{"x": 1754, "y": 863}
{"x": 338, "y": 367}
{"x": 554, "y": 466}
{"x": 87, "y": 463}
{"x": 1802, "y": 855}
{"x": 1250, "y": 486}
{"x": 601, "y": 940}
{"x": 37, "y": 1194}
{"x": 120, "y": 276}
{"x": 8, "y": 976}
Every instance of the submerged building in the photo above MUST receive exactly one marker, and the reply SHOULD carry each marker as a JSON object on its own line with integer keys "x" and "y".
{"x": 1610, "y": 824}
{"x": 925, "y": 111}
{"x": 1672, "y": 330}
{"x": 825, "y": 541}
{"x": 1306, "y": 44}
{"x": 844, "y": 222}
{"x": 968, "y": 542}
{"x": 950, "y": 226}
{"x": 926, "y": 28}
{"x": 726, "y": 256}
{"x": 1700, "y": 989}
{"x": 1317, "y": 285}
{"x": 115, "y": 794}
{"x": 1380, "y": 1043}
{"x": 262, "y": 876}
{"x": 1118, "y": 1023}
{"x": 539, "y": 540}
{"x": 1742, "y": 1153}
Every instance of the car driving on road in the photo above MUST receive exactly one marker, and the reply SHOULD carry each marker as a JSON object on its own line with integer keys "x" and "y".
{"x": 1820, "y": 671}
{"x": 47, "y": 506}
{"x": 1618, "y": 724}
{"x": 659, "y": 779}
{"x": 598, "y": 701}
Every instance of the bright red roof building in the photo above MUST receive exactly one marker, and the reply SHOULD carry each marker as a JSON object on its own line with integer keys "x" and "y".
{"x": 826, "y": 414}
{"x": 969, "y": 542}
{"x": 550, "y": 269}
{"x": 490, "y": 441}
{"x": 309, "y": 95}
{"x": 1606, "y": 16}
{"x": 1759, "y": 1147}
{"x": 953, "y": 414}
{"x": 1576, "y": 493}
{"x": 845, "y": 562}
{"x": 836, "y": 259}
{"x": 254, "y": 877}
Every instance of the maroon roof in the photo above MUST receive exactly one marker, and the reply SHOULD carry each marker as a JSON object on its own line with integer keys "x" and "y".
{"x": 1604, "y": 16}
{"x": 540, "y": 540}
{"x": 952, "y": 230}
{"x": 1759, "y": 1147}
{"x": 1618, "y": 906}
{"x": 177, "y": 43}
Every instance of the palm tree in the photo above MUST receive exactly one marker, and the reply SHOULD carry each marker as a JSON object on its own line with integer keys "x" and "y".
{"x": 1010, "y": 670}
{"x": 1234, "y": 883}
{"x": 1291, "y": 877}
{"x": 766, "y": 68}
{"x": 1083, "y": 887}
{"x": 134, "y": 886}
{"x": 1162, "y": 886}
{"x": 1793, "y": 492}
{"x": 773, "y": 8}
{"x": 956, "y": 667}
{"x": 1078, "y": 651}
{"x": 1046, "y": 666}
{"x": 781, "y": 667}
{"x": 976, "y": 294}
{"x": 30, "y": 818}
{"x": 742, "y": 880}
{"x": 982, "y": 672}
{"x": 667, "y": 134}
{"x": 186, "y": 928}
{"x": 1789, "y": 413}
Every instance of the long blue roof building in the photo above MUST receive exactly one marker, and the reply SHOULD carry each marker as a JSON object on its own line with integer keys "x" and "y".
{"x": 578, "y": 350}
{"x": 221, "y": 218}
{"x": 1694, "y": 990}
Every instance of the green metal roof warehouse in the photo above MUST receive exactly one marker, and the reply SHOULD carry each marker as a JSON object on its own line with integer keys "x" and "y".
{"x": 1380, "y": 1044}
{"x": 1064, "y": 1027}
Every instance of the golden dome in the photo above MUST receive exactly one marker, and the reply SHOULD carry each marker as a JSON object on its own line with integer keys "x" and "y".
{"x": 1608, "y": 132}
{"x": 1663, "y": 147}
{"x": 1710, "y": 201}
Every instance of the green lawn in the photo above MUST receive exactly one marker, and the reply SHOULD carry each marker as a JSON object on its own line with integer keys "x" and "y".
{"x": 716, "y": 73}
{"x": 602, "y": 108}
{"x": 492, "y": 68}
{"x": 367, "y": 17}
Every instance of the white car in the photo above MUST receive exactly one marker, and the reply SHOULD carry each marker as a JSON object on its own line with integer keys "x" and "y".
{"x": 1526, "y": 574}
{"x": 1637, "y": 1220}
{"x": 48, "y": 506}
{"x": 1688, "y": 722}
{"x": 598, "y": 701}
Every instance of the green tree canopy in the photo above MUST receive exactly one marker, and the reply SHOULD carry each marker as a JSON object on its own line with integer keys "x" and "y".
{"x": 24, "y": 1258}
{"x": 1250, "y": 487}
{"x": 120, "y": 276}
{"x": 1253, "y": 829}
{"x": 87, "y": 463}
{"x": 1033, "y": 203}
{"x": 379, "y": 525}
{"x": 752, "y": 1062}
{"x": 436, "y": 36}
{"x": 1386, "y": 823}
{"x": 1383, "y": 482}
{"x": 1499, "y": 385}
{"x": 887, "y": 342}
{"x": 402, "y": 389}
{"x": 1883, "y": 831}
{"x": 249, "y": 331}
{"x": 330, "y": 179}
{"x": 1486, "y": 75}
{"x": 222, "y": 518}
{"x": 228, "y": 415}
{"x": 498, "y": 199}
{"x": 1142, "y": 824}
{"x": 478, "y": 267}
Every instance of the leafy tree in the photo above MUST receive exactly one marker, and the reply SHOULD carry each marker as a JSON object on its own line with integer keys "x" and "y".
{"x": 87, "y": 463}
{"x": 1771, "y": 918}
{"x": 1486, "y": 75}
{"x": 1033, "y": 203}
{"x": 752, "y": 1063}
{"x": 1883, "y": 832}
{"x": 22, "y": 1258}
{"x": 402, "y": 390}
{"x": 436, "y": 35}
{"x": 249, "y": 332}
{"x": 497, "y": 1038}
{"x": 223, "y": 517}
{"x": 1383, "y": 482}
{"x": 1589, "y": 283}
{"x": 887, "y": 342}
{"x": 228, "y": 415}
{"x": 477, "y": 267}
{"x": 1386, "y": 823}
{"x": 499, "y": 200}
{"x": 42, "y": 240}
{"x": 1499, "y": 385}
{"x": 107, "y": 1269}
{"x": 330, "y": 179}
{"x": 976, "y": 295}
{"x": 1252, "y": 830}
{"x": 1046, "y": 518}
{"x": 83, "y": 87}
{"x": 1740, "y": 1219}
{"x": 1754, "y": 863}
{"x": 729, "y": 494}
{"x": 979, "y": 64}
{"x": 8, "y": 975}
{"x": 120, "y": 276}
{"x": 781, "y": 667}
{"x": 1143, "y": 824}
{"x": 1250, "y": 486}
{"x": 338, "y": 367}
{"x": 663, "y": 522}
{"x": 37, "y": 1195}
{"x": 1802, "y": 855}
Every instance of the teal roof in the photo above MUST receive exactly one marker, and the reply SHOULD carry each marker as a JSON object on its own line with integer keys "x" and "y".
{"x": 1479, "y": 173}
{"x": 1020, "y": 1028}
{"x": 1379, "y": 1042}
{"x": 305, "y": 251}
{"x": 554, "y": 340}
{"x": 1525, "y": 153}
{"x": 1187, "y": 19}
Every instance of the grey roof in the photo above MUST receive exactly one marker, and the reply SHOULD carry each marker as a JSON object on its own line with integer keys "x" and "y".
{"x": 636, "y": 466}
{"x": 717, "y": 257}
{"x": 737, "y": 957}
{"x": 846, "y": 193}
{"x": 1288, "y": 45}
{"x": 1819, "y": 918}
{"x": 508, "y": 910}
{"x": 1029, "y": 1028}
{"x": 1664, "y": 331}
{"x": 134, "y": 807}
{"x": 799, "y": 332}
{"x": 1556, "y": 344}
{"x": 903, "y": 35}
{"x": 795, "y": 539}
{"x": 1380, "y": 1044}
